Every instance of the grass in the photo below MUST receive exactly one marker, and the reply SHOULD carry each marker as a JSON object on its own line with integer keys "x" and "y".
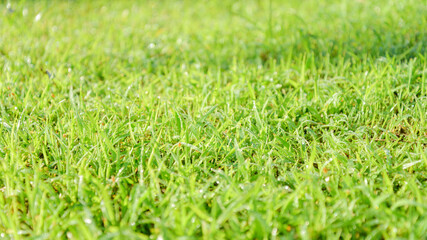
{"x": 213, "y": 119}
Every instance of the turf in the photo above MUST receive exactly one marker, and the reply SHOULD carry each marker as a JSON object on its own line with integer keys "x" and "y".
{"x": 213, "y": 119}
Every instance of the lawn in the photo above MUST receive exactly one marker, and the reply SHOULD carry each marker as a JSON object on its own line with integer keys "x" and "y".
{"x": 213, "y": 119}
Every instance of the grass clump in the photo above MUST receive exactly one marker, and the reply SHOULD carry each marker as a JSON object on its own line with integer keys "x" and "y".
{"x": 213, "y": 119}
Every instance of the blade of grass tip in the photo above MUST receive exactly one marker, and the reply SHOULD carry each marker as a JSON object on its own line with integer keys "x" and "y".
{"x": 251, "y": 91}
{"x": 258, "y": 118}
{"x": 424, "y": 155}
{"x": 423, "y": 80}
{"x": 200, "y": 213}
{"x": 411, "y": 66}
{"x": 138, "y": 196}
{"x": 207, "y": 114}
{"x": 84, "y": 230}
{"x": 238, "y": 152}
{"x": 408, "y": 165}
{"x": 106, "y": 205}
{"x": 39, "y": 224}
{"x": 416, "y": 191}
{"x": 5, "y": 125}
{"x": 131, "y": 133}
{"x": 313, "y": 156}
{"x": 387, "y": 182}
{"x": 243, "y": 198}
{"x": 302, "y": 71}
{"x": 155, "y": 144}
{"x": 15, "y": 220}
{"x": 316, "y": 88}
{"x": 178, "y": 122}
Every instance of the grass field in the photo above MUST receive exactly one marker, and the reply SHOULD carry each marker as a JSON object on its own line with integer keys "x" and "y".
{"x": 213, "y": 119}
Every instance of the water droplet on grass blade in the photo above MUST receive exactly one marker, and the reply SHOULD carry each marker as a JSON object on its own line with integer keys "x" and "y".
{"x": 38, "y": 17}
{"x": 9, "y": 8}
{"x": 274, "y": 232}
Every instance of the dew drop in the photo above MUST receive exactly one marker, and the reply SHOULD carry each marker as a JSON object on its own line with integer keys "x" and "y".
{"x": 38, "y": 17}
